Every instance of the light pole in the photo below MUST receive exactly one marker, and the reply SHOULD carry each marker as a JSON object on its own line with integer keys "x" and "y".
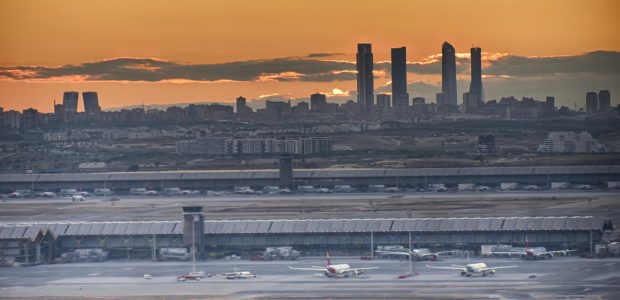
{"x": 194, "y": 244}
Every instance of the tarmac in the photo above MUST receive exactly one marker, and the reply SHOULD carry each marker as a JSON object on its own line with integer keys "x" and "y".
{"x": 561, "y": 277}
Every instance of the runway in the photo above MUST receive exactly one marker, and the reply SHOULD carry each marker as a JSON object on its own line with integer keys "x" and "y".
{"x": 570, "y": 277}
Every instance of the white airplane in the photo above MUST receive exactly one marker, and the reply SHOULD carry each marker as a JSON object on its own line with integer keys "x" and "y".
{"x": 47, "y": 194}
{"x": 244, "y": 190}
{"x": 83, "y": 194}
{"x": 189, "y": 192}
{"x": 333, "y": 271}
{"x": 239, "y": 275}
{"x": 484, "y": 188}
{"x": 418, "y": 254}
{"x": 76, "y": 198}
{"x": 471, "y": 269}
{"x": 534, "y": 253}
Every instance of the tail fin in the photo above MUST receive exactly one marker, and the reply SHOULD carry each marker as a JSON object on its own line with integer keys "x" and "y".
{"x": 526, "y": 243}
{"x": 329, "y": 260}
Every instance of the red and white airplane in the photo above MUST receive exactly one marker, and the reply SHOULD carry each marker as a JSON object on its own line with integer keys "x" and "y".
{"x": 534, "y": 253}
{"x": 338, "y": 270}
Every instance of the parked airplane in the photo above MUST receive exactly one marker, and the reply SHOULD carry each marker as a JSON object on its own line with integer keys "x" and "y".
{"x": 239, "y": 275}
{"x": 534, "y": 253}
{"x": 418, "y": 254}
{"x": 471, "y": 269}
{"x": 77, "y": 198}
{"x": 332, "y": 270}
{"x": 47, "y": 194}
{"x": 244, "y": 190}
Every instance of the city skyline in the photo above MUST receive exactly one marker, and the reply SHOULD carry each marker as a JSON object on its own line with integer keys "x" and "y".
{"x": 145, "y": 62}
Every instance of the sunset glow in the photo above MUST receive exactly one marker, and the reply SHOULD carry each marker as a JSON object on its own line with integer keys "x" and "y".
{"x": 155, "y": 52}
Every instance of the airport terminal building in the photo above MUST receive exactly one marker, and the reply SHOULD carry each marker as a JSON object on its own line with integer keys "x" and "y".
{"x": 32, "y": 242}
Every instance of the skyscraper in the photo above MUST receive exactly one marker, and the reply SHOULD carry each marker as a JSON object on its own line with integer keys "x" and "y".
{"x": 591, "y": 103}
{"x": 317, "y": 102}
{"x": 70, "y": 101}
{"x": 383, "y": 101}
{"x": 241, "y": 105}
{"x": 604, "y": 101}
{"x": 91, "y": 102}
{"x": 365, "y": 79}
{"x": 448, "y": 74}
{"x": 400, "y": 97}
{"x": 475, "y": 87}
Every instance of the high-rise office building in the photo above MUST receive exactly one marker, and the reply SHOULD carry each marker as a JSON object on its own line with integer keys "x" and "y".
{"x": 365, "y": 79}
{"x": 91, "y": 102}
{"x": 591, "y": 103}
{"x": 475, "y": 87}
{"x": 550, "y": 103}
{"x": 70, "y": 101}
{"x": 448, "y": 74}
{"x": 604, "y": 101}
{"x": 241, "y": 105}
{"x": 400, "y": 97}
{"x": 383, "y": 101}
{"x": 317, "y": 102}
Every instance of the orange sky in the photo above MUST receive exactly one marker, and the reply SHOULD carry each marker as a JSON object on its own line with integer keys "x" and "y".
{"x": 55, "y": 33}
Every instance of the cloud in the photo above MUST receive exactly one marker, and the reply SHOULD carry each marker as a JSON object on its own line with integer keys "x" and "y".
{"x": 598, "y": 62}
{"x": 566, "y": 77}
{"x": 148, "y": 69}
{"x": 308, "y": 68}
{"x": 322, "y": 55}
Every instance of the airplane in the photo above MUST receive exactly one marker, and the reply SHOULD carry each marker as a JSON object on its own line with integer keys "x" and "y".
{"x": 534, "y": 253}
{"x": 150, "y": 193}
{"x": 239, "y": 275}
{"x": 334, "y": 271}
{"x": 418, "y": 254}
{"x": 532, "y": 188}
{"x": 484, "y": 188}
{"x": 83, "y": 194}
{"x": 47, "y": 194}
{"x": 244, "y": 190}
{"x": 189, "y": 192}
{"x": 76, "y": 198}
{"x": 15, "y": 195}
{"x": 471, "y": 269}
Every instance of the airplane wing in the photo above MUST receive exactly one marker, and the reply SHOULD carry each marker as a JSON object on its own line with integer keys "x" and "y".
{"x": 561, "y": 252}
{"x": 368, "y": 268}
{"x": 448, "y": 268}
{"x": 444, "y": 252}
{"x": 309, "y": 269}
{"x": 497, "y": 268}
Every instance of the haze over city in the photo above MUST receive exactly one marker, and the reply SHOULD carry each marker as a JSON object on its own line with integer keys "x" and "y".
{"x": 148, "y": 52}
